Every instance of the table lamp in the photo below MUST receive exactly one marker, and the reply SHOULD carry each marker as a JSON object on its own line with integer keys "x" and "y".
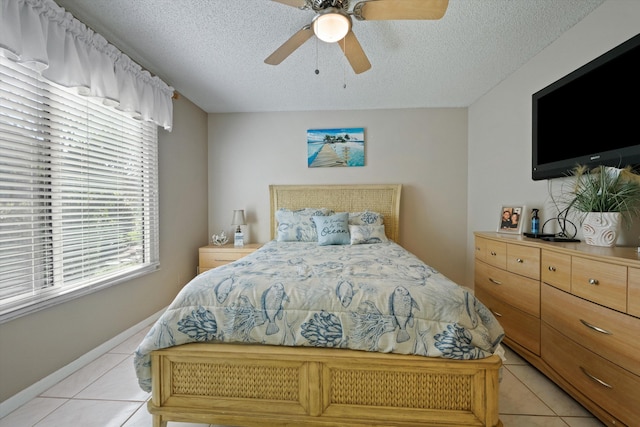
{"x": 238, "y": 220}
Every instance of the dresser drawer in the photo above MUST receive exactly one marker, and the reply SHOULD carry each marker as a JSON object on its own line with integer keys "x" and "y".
{"x": 633, "y": 295}
{"x": 610, "y": 334}
{"x": 214, "y": 259}
{"x": 614, "y": 389}
{"x": 519, "y": 326}
{"x": 555, "y": 269}
{"x": 496, "y": 254}
{"x": 524, "y": 260}
{"x": 481, "y": 249}
{"x": 214, "y": 256}
{"x": 520, "y": 292}
{"x": 600, "y": 282}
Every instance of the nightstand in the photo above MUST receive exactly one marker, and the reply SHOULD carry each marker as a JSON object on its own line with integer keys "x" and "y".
{"x": 213, "y": 256}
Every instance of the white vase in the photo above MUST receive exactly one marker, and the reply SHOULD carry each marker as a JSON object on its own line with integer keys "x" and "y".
{"x": 601, "y": 228}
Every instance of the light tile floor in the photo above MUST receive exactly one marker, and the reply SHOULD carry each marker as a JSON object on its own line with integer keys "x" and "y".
{"x": 105, "y": 393}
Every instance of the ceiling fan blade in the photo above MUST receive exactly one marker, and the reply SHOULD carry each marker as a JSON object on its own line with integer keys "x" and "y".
{"x": 287, "y": 48}
{"x": 386, "y": 10}
{"x": 354, "y": 53}
{"x": 300, "y": 4}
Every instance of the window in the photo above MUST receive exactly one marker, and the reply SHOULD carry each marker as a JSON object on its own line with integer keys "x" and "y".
{"x": 78, "y": 193}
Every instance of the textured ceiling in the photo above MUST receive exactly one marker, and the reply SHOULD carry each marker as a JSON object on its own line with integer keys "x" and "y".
{"x": 212, "y": 51}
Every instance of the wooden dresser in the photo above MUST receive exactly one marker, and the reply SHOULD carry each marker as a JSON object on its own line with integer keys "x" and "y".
{"x": 571, "y": 310}
{"x": 213, "y": 256}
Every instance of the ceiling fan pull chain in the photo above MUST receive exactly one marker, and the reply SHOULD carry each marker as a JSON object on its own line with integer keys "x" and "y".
{"x": 344, "y": 70}
{"x": 317, "y": 69}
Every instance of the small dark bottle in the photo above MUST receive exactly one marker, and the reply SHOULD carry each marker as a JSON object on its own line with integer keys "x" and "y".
{"x": 535, "y": 222}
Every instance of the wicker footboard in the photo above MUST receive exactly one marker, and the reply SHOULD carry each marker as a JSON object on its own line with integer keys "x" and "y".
{"x": 253, "y": 385}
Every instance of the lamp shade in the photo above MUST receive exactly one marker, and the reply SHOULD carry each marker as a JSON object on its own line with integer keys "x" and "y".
{"x": 331, "y": 26}
{"x": 238, "y": 217}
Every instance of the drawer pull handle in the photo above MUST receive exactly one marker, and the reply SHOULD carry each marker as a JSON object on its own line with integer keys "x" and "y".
{"x": 494, "y": 281}
{"x": 595, "y": 328}
{"x": 493, "y": 253}
{"x": 594, "y": 282}
{"x": 552, "y": 268}
{"x": 496, "y": 313}
{"x": 598, "y": 380}
{"x": 520, "y": 260}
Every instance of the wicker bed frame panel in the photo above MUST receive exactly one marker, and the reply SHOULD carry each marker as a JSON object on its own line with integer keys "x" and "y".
{"x": 252, "y": 385}
{"x": 257, "y": 385}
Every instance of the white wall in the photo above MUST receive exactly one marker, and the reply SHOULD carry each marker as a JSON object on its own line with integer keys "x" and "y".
{"x": 500, "y": 122}
{"x": 425, "y": 150}
{"x": 36, "y": 345}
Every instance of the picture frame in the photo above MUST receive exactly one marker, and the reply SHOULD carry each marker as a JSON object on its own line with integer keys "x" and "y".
{"x": 335, "y": 147}
{"x": 511, "y": 219}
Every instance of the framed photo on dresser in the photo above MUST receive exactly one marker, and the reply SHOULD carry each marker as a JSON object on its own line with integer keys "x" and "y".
{"x": 511, "y": 219}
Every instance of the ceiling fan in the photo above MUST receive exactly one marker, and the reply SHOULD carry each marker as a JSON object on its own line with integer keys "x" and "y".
{"x": 333, "y": 24}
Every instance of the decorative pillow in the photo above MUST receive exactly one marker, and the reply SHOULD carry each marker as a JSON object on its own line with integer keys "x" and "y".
{"x": 333, "y": 230}
{"x": 367, "y": 234}
{"x": 366, "y": 218}
{"x": 298, "y": 225}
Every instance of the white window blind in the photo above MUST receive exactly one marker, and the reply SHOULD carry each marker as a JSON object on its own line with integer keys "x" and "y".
{"x": 78, "y": 193}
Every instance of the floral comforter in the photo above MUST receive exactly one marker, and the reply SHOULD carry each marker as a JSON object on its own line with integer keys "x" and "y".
{"x": 372, "y": 297}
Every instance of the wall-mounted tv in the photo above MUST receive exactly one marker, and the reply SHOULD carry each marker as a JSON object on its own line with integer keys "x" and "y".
{"x": 591, "y": 116}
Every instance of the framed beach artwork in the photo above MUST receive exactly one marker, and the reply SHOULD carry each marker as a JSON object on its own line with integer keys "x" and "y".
{"x": 335, "y": 147}
{"x": 511, "y": 219}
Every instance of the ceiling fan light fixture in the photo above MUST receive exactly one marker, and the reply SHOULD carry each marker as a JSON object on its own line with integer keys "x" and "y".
{"x": 331, "y": 25}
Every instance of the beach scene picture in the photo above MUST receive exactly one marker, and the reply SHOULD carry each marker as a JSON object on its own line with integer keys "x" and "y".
{"x": 335, "y": 147}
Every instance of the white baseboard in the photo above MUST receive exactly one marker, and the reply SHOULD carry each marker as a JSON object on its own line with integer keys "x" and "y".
{"x": 19, "y": 399}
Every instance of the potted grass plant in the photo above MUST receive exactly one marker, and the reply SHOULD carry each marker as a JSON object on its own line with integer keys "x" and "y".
{"x": 604, "y": 198}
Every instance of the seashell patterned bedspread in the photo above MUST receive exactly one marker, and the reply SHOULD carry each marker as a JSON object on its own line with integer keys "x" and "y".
{"x": 372, "y": 297}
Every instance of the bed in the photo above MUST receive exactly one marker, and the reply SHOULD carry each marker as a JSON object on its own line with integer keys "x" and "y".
{"x": 323, "y": 375}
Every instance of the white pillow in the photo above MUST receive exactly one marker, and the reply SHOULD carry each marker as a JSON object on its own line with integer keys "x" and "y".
{"x": 361, "y": 234}
{"x": 298, "y": 225}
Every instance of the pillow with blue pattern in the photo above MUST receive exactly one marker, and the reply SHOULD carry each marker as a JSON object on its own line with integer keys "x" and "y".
{"x": 297, "y": 225}
{"x": 333, "y": 229}
{"x": 366, "y": 218}
{"x": 361, "y": 234}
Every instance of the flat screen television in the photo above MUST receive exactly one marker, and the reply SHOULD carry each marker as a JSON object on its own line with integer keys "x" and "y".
{"x": 589, "y": 117}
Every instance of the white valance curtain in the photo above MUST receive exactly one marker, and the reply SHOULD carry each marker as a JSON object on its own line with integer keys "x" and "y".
{"x": 44, "y": 37}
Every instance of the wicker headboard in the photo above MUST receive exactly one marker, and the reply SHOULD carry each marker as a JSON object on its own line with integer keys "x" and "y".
{"x": 382, "y": 198}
